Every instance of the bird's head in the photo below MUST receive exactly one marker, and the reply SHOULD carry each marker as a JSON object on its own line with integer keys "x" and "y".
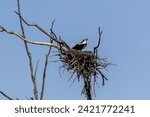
{"x": 85, "y": 40}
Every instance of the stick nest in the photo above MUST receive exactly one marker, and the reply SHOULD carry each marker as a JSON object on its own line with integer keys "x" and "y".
{"x": 86, "y": 65}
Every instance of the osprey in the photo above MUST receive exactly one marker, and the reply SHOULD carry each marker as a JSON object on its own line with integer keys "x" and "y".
{"x": 81, "y": 45}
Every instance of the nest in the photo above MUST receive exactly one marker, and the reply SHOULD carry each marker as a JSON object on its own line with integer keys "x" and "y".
{"x": 87, "y": 66}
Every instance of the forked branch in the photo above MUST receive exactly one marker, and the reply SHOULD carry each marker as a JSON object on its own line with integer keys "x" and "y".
{"x": 26, "y": 39}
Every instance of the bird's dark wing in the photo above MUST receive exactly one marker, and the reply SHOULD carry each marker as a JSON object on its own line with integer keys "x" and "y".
{"x": 76, "y": 46}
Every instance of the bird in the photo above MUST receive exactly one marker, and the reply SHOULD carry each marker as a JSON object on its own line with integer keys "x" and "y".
{"x": 81, "y": 45}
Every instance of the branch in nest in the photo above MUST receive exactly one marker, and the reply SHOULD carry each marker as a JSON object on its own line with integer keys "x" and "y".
{"x": 103, "y": 77}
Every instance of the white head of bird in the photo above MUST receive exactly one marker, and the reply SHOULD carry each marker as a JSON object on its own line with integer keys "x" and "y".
{"x": 84, "y": 41}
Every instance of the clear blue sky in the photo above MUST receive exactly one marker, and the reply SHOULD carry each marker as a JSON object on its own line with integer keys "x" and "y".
{"x": 125, "y": 42}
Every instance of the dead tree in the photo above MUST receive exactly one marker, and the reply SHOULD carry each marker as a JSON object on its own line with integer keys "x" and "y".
{"x": 85, "y": 64}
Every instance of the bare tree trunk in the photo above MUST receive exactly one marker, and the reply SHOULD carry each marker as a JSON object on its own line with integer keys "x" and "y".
{"x": 87, "y": 85}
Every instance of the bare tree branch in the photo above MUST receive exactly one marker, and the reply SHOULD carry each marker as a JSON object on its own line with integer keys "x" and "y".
{"x": 46, "y": 60}
{"x": 33, "y": 77}
{"x": 99, "y": 41}
{"x": 36, "y": 68}
{"x": 21, "y": 24}
{"x": 27, "y": 40}
{"x": 59, "y": 41}
{"x": 6, "y": 96}
{"x": 41, "y": 29}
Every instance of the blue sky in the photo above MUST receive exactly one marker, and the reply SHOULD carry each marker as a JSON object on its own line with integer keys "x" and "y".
{"x": 125, "y": 42}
